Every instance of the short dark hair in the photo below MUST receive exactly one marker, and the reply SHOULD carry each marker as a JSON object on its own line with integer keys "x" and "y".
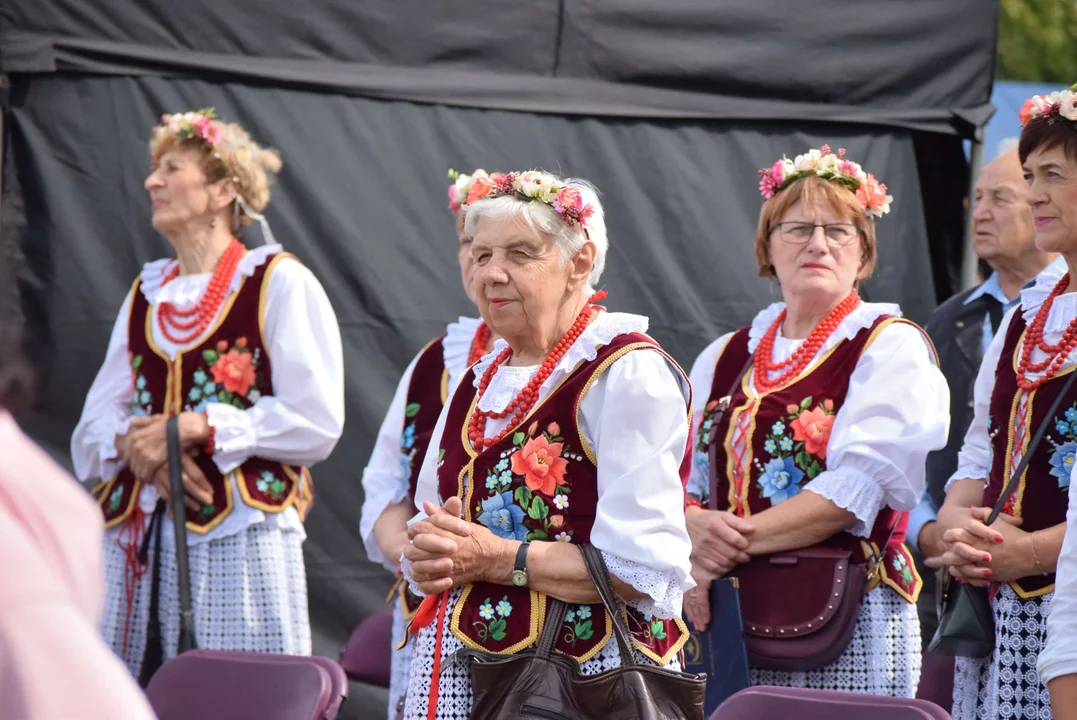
{"x": 1048, "y": 132}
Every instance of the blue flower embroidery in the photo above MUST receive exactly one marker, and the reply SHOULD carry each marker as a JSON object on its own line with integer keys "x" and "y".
{"x": 502, "y": 466}
{"x": 778, "y": 428}
{"x": 407, "y": 440}
{"x": 486, "y": 611}
{"x": 491, "y": 482}
{"x": 780, "y": 480}
{"x": 209, "y": 388}
{"x": 264, "y": 481}
{"x": 1071, "y": 415}
{"x": 785, "y": 444}
{"x": 504, "y": 608}
{"x": 141, "y": 382}
{"x": 1062, "y": 460}
{"x": 144, "y": 398}
{"x": 505, "y": 478}
{"x": 770, "y": 446}
{"x": 503, "y": 517}
{"x": 195, "y": 394}
{"x": 584, "y": 612}
{"x": 1062, "y": 427}
{"x": 200, "y": 377}
{"x": 253, "y": 396}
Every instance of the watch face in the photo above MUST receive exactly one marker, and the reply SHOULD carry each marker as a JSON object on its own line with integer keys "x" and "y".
{"x": 518, "y": 577}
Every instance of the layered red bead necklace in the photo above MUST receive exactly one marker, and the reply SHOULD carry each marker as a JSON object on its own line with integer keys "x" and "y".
{"x": 527, "y": 397}
{"x": 479, "y": 344}
{"x": 1056, "y": 354}
{"x": 795, "y": 363}
{"x": 190, "y": 324}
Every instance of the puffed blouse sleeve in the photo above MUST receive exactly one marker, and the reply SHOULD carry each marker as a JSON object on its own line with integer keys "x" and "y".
{"x": 896, "y": 411}
{"x": 702, "y": 379}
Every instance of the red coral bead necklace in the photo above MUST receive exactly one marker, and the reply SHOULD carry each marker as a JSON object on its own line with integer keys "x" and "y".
{"x": 1056, "y": 354}
{"x": 182, "y": 326}
{"x": 798, "y": 361}
{"x": 527, "y": 397}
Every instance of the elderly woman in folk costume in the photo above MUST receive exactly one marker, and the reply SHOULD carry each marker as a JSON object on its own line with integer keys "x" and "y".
{"x": 243, "y": 346}
{"x": 1021, "y": 376}
{"x": 574, "y": 430}
{"x": 801, "y": 438}
{"x": 390, "y": 476}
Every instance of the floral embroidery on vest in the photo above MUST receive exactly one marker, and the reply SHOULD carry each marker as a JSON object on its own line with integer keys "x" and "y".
{"x": 795, "y": 446}
{"x": 1062, "y": 457}
{"x": 407, "y": 440}
{"x": 491, "y": 627}
{"x": 234, "y": 372}
{"x": 577, "y": 624}
{"x": 541, "y": 461}
{"x": 141, "y": 399}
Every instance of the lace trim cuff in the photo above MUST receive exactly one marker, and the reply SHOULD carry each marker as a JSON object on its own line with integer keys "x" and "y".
{"x": 663, "y": 587}
{"x": 405, "y": 570}
{"x": 967, "y": 472}
{"x": 853, "y": 491}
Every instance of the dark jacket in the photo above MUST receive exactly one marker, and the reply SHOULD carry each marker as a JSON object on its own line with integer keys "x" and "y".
{"x": 957, "y": 331}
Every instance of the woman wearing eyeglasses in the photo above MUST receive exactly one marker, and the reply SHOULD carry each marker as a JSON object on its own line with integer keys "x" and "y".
{"x": 833, "y": 405}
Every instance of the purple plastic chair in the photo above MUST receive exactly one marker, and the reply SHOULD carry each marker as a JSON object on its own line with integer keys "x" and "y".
{"x": 763, "y": 703}
{"x": 225, "y": 685}
{"x": 367, "y": 658}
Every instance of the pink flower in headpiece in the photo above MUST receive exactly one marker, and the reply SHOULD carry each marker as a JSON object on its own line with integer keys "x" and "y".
{"x": 503, "y": 183}
{"x": 824, "y": 150}
{"x": 841, "y": 152}
{"x": 845, "y": 167}
{"x": 206, "y": 130}
{"x": 480, "y": 188}
{"x": 872, "y": 194}
{"x": 770, "y": 180}
{"x": 569, "y": 204}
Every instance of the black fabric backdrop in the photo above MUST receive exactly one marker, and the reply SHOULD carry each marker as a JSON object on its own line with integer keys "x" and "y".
{"x": 669, "y": 108}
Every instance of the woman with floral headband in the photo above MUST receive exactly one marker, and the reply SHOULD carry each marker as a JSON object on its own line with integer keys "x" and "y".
{"x": 390, "y": 476}
{"x": 574, "y": 430}
{"x": 243, "y": 346}
{"x": 1019, "y": 380}
{"x": 801, "y": 438}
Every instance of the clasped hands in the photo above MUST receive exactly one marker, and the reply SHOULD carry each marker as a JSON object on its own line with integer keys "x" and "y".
{"x": 446, "y": 551}
{"x": 144, "y": 449}
{"x": 719, "y": 544}
{"x": 979, "y": 554}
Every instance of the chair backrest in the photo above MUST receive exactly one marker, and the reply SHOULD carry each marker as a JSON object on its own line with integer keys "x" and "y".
{"x": 763, "y": 702}
{"x": 223, "y": 685}
{"x": 367, "y": 658}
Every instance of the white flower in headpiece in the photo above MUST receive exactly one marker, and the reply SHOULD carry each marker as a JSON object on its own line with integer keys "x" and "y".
{"x": 807, "y": 162}
{"x": 1067, "y": 104}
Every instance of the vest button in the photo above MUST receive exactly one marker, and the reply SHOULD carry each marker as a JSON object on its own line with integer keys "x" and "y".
{"x": 960, "y": 324}
{"x": 972, "y": 404}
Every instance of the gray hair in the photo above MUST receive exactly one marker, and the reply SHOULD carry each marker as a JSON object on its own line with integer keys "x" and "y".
{"x": 1007, "y": 145}
{"x": 542, "y": 218}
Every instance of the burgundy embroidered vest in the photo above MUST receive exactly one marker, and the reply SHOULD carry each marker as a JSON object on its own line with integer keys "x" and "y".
{"x": 230, "y": 366}
{"x": 426, "y": 397}
{"x": 1041, "y": 498}
{"x": 539, "y": 484}
{"x": 783, "y": 441}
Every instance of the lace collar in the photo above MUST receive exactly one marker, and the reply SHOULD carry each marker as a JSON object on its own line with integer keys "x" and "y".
{"x": 186, "y": 289}
{"x": 863, "y": 317}
{"x": 456, "y": 347}
{"x": 509, "y": 380}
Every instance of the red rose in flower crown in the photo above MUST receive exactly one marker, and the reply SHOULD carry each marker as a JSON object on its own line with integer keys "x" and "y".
{"x": 235, "y": 371}
{"x": 1061, "y": 104}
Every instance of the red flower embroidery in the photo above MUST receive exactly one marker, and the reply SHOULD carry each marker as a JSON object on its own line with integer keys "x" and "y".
{"x": 541, "y": 464}
{"x": 813, "y": 428}
{"x": 234, "y": 370}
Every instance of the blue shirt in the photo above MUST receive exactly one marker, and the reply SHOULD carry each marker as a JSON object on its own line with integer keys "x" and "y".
{"x": 926, "y": 511}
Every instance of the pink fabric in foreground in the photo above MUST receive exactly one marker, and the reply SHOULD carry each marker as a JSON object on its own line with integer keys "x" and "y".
{"x": 53, "y": 663}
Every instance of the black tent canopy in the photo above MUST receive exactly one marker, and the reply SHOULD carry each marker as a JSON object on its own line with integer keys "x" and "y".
{"x": 669, "y": 108}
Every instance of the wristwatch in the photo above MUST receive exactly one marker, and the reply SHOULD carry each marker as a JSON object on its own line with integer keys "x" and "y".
{"x": 518, "y": 576}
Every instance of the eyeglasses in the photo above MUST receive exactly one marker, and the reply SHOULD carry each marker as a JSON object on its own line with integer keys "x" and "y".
{"x": 797, "y": 233}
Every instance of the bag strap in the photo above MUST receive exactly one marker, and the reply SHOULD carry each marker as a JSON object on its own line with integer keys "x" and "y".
{"x": 179, "y": 525}
{"x": 719, "y": 413}
{"x": 600, "y": 575}
{"x": 1033, "y": 443}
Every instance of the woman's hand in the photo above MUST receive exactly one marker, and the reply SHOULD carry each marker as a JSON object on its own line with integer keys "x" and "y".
{"x": 193, "y": 429}
{"x": 144, "y": 448}
{"x": 697, "y": 601}
{"x": 447, "y": 551}
{"x": 718, "y": 542}
{"x": 977, "y": 553}
{"x": 198, "y": 491}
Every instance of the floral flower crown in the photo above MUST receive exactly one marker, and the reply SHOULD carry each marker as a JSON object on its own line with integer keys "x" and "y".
{"x": 536, "y": 186}
{"x": 461, "y": 186}
{"x": 199, "y": 124}
{"x": 1061, "y": 103}
{"x": 822, "y": 163}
